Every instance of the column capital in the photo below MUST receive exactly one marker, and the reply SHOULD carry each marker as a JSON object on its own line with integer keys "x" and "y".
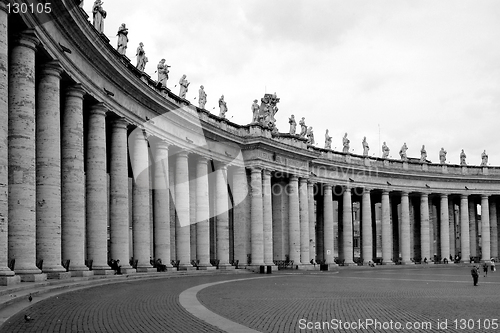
{"x": 310, "y": 183}
{"x": 443, "y": 195}
{"x": 294, "y": 178}
{"x": 98, "y": 109}
{"x": 303, "y": 180}
{"x": 405, "y": 193}
{"x": 201, "y": 158}
{"x": 464, "y": 196}
{"x": 424, "y": 194}
{"x": 27, "y": 38}
{"x": 220, "y": 165}
{"x": 484, "y": 196}
{"x": 385, "y": 192}
{"x": 120, "y": 123}
{"x": 326, "y": 186}
{"x": 255, "y": 170}
{"x": 52, "y": 68}
{"x": 75, "y": 90}
{"x": 183, "y": 153}
{"x": 367, "y": 189}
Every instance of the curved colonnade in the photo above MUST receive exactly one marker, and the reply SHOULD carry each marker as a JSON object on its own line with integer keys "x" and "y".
{"x": 98, "y": 162}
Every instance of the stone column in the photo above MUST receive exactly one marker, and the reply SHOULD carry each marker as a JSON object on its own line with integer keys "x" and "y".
{"x": 304, "y": 221}
{"x": 386, "y": 229}
{"x": 494, "y": 228}
{"x": 445, "y": 228}
{"x": 347, "y": 227}
{"x": 182, "y": 227}
{"x": 424, "y": 227}
{"x": 257, "y": 226}
{"x": 451, "y": 228}
{"x": 366, "y": 227}
{"x": 268, "y": 217}
{"x": 48, "y": 170}
{"x": 473, "y": 228}
{"x": 241, "y": 213}
{"x": 202, "y": 215}
{"x": 222, "y": 213}
{"x": 293, "y": 219}
{"x": 464, "y": 229}
{"x": 485, "y": 229}
{"x": 312, "y": 221}
{"x": 139, "y": 157}
{"x": 405, "y": 243}
{"x": 96, "y": 187}
{"x": 6, "y": 275}
{"x": 161, "y": 203}
{"x": 118, "y": 204}
{"x": 21, "y": 157}
{"x": 73, "y": 183}
{"x": 329, "y": 245}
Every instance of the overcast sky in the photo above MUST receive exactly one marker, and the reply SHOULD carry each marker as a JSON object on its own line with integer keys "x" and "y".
{"x": 420, "y": 72}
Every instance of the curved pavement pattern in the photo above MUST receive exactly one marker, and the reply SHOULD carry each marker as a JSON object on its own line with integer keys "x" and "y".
{"x": 271, "y": 303}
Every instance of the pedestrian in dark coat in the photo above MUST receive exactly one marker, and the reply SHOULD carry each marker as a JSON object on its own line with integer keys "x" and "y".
{"x": 475, "y": 274}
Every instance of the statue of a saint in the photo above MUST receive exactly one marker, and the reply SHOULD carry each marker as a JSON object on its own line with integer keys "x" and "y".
{"x": 184, "y": 84}
{"x": 99, "y": 15}
{"x": 385, "y": 150}
{"x": 202, "y": 97}
{"x": 484, "y": 159}
{"x": 303, "y": 127}
{"x": 293, "y": 125}
{"x": 462, "y": 158}
{"x": 255, "y": 111}
{"x": 163, "y": 71}
{"x": 222, "y": 107}
{"x": 365, "y": 147}
{"x": 345, "y": 144}
{"x": 442, "y": 156}
{"x": 328, "y": 141}
{"x": 423, "y": 155}
{"x": 122, "y": 39}
{"x": 402, "y": 152}
{"x": 310, "y": 136}
{"x": 141, "y": 57}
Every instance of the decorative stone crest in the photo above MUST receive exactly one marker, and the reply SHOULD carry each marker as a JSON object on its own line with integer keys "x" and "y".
{"x": 267, "y": 111}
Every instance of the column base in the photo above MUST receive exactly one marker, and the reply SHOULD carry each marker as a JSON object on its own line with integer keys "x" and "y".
{"x": 329, "y": 267}
{"x": 9, "y": 280}
{"x": 146, "y": 269}
{"x": 409, "y": 262}
{"x": 103, "y": 272}
{"x": 33, "y": 277}
{"x": 207, "y": 268}
{"x": 226, "y": 267}
{"x": 186, "y": 268}
{"x": 350, "y": 264}
{"x": 388, "y": 262}
{"x": 59, "y": 275}
{"x": 254, "y": 267}
{"x": 128, "y": 270}
{"x": 82, "y": 273}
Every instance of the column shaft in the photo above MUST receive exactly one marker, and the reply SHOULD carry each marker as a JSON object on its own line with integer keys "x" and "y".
{"x": 294, "y": 220}
{"x": 73, "y": 181}
{"x": 257, "y": 227}
{"x": 473, "y": 228}
{"x": 386, "y": 229}
{"x": 182, "y": 227}
{"x": 405, "y": 229}
{"x": 494, "y": 229}
{"x": 328, "y": 237}
{"x": 485, "y": 229}
{"x": 312, "y": 221}
{"x": 48, "y": 169}
{"x": 424, "y": 227}
{"x": 21, "y": 155}
{"x": 241, "y": 213}
{"x": 202, "y": 213}
{"x": 366, "y": 227}
{"x": 445, "y": 227}
{"x": 304, "y": 221}
{"x": 268, "y": 217}
{"x": 222, "y": 213}
{"x": 96, "y": 187}
{"x": 347, "y": 227}
{"x": 464, "y": 229}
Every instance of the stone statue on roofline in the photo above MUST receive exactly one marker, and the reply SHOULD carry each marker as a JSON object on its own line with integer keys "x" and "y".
{"x": 345, "y": 144}
{"x": 442, "y": 156}
{"x": 423, "y": 155}
{"x": 366, "y": 148}
{"x": 303, "y": 127}
{"x": 222, "y": 107}
{"x": 402, "y": 152}
{"x": 99, "y": 15}
{"x": 163, "y": 71}
{"x": 202, "y": 97}
{"x": 141, "y": 57}
{"x": 310, "y": 136}
{"x": 328, "y": 140}
{"x": 484, "y": 159}
{"x": 293, "y": 125}
{"x": 385, "y": 150}
{"x": 255, "y": 111}
{"x": 268, "y": 110}
{"x": 462, "y": 158}
{"x": 122, "y": 39}
{"x": 184, "y": 84}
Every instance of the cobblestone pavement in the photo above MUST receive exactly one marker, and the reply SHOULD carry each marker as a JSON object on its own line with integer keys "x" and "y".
{"x": 415, "y": 295}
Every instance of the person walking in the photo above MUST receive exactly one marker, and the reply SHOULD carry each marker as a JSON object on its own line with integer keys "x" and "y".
{"x": 475, "y": 274}
{"x": 485, "y": 269}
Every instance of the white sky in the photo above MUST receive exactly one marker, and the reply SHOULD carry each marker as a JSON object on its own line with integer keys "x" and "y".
{"x": 423, "y": 72}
